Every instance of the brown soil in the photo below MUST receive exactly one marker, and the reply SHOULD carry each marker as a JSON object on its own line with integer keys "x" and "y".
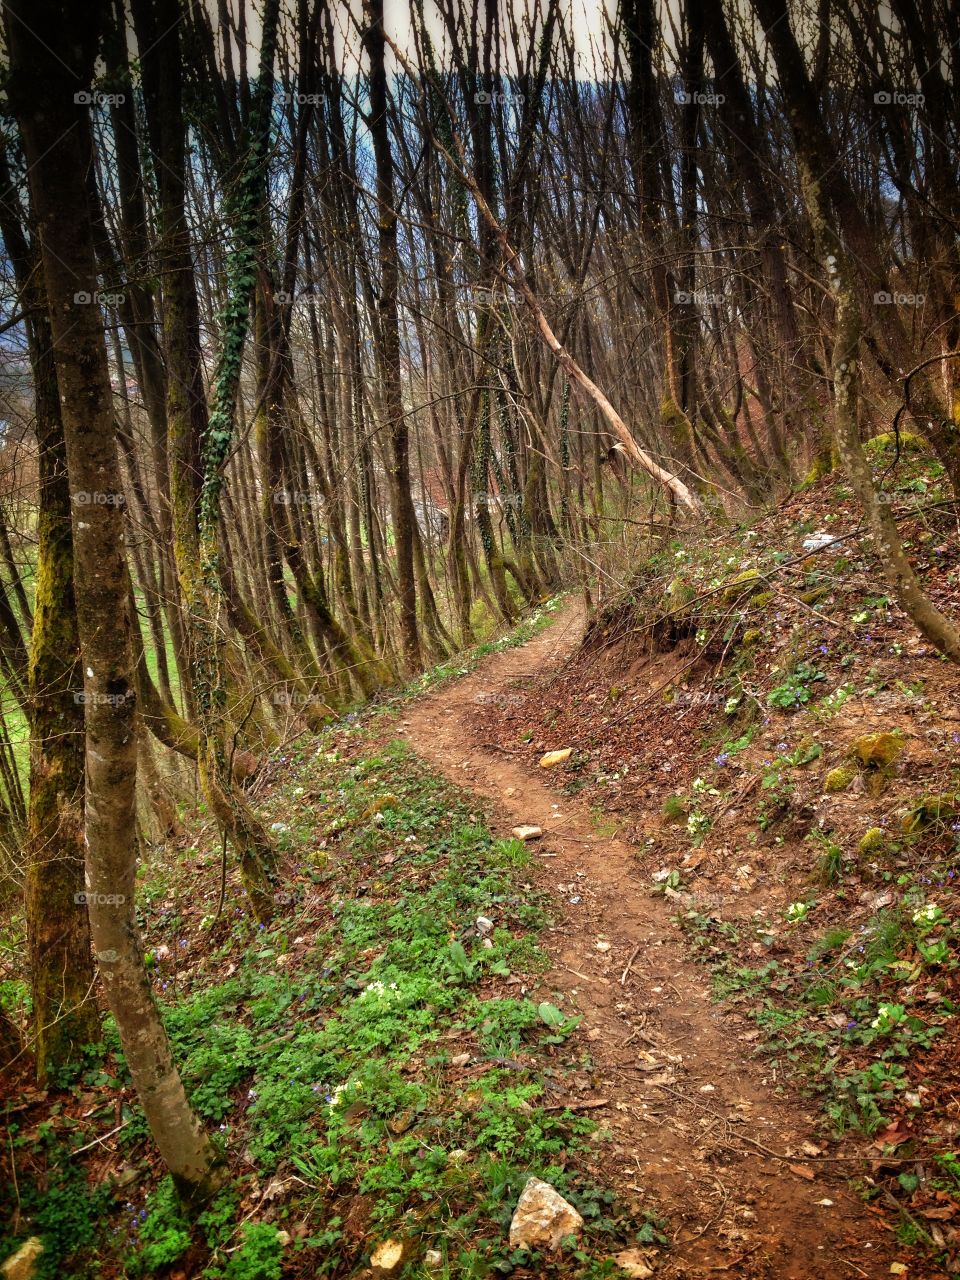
{"x": 699, "y": 1124}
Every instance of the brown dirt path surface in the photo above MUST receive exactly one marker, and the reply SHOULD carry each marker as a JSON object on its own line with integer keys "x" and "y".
{"x": 696, "y": 1122}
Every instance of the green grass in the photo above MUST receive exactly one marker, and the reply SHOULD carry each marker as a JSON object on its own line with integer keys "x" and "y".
{"x": 846, "y": 1018}
{"x": 323, "y": 1048}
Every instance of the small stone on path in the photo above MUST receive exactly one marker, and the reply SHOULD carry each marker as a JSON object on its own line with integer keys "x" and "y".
{"x": 527, "y": 833}
{"x": 542, "y": 1218}
{"x": 387, "y": 1256}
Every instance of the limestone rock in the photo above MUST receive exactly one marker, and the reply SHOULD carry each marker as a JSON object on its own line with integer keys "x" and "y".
{"x": 525, "y": 833}
{"x": 542, "y": 1218}
{"x": 387, "y": 1257}
{"x": 555, "y": 757}
{"x": 22, "y": 1265}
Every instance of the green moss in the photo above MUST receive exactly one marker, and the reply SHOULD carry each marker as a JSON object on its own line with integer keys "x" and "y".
{"x": 761, "y": 599}
{"x": 674, "y": 420}
{"x": 678, "y": 595}
{"x": 821, "y": 466}
{"x": 840, "y": 778}
{"x": 910, "y": 442}
{"x": 736, "y": 586}
{"x": 877, "y": 750}
{"x": 872, "y": 841}
{"x": 751, "y": 636}
{"x": 811, "y": 597}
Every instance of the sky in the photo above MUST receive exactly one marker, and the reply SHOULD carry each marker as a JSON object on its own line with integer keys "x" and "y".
{"x": 587, "y": 19}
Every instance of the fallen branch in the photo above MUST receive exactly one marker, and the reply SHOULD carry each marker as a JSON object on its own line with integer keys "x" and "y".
{"x": 588, "y": 1104}
{"x": 518, "y": 278}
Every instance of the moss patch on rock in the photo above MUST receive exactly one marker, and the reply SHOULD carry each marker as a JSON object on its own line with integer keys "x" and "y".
{"x": 839, "y": 779}
{"x": 872, "y": 841}
{"x": 877, "y": 750}
{"x": 910, "y": 442}
{"x": 737, "y": 585}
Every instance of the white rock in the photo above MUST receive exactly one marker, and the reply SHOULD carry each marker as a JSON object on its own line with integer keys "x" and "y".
{"x": 22, "y": 1264}
{"x": 542, "y": 1218}
{"x": 817, "y": 541}
{"x": 525, "y": 832}
{"x": 433, "y": 1259}
{"x": 387, "y": 1257}
{"x": 555, "y": 757}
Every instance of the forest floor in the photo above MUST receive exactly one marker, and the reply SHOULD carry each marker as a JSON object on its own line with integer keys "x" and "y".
{"x": 737, "y": 1167}
{"x": 713, "y": 1004}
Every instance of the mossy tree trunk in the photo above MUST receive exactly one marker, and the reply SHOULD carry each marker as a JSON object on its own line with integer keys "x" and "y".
{"x": 56, "y": 47}
{"x": 65, "y": 1015}
{"x": 200, "y": 444}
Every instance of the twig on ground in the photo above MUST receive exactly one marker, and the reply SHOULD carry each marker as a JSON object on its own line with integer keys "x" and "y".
{"x": 633, "y": 956}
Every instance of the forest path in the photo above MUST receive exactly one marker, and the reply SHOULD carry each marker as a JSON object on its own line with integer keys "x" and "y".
{"x": 697, "y": 1125}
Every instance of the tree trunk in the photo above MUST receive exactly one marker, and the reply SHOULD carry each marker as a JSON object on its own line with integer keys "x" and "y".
{"x": 389, "y": 336}
{"x": 62, "y": 975}
{"x": 57, "y": 50}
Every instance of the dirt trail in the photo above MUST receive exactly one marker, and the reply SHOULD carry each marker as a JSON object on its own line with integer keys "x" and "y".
{"x": 695, "y": 1117}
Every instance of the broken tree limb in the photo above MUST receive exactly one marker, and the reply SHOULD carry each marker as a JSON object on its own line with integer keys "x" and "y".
{"x": 513, "y": 266}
